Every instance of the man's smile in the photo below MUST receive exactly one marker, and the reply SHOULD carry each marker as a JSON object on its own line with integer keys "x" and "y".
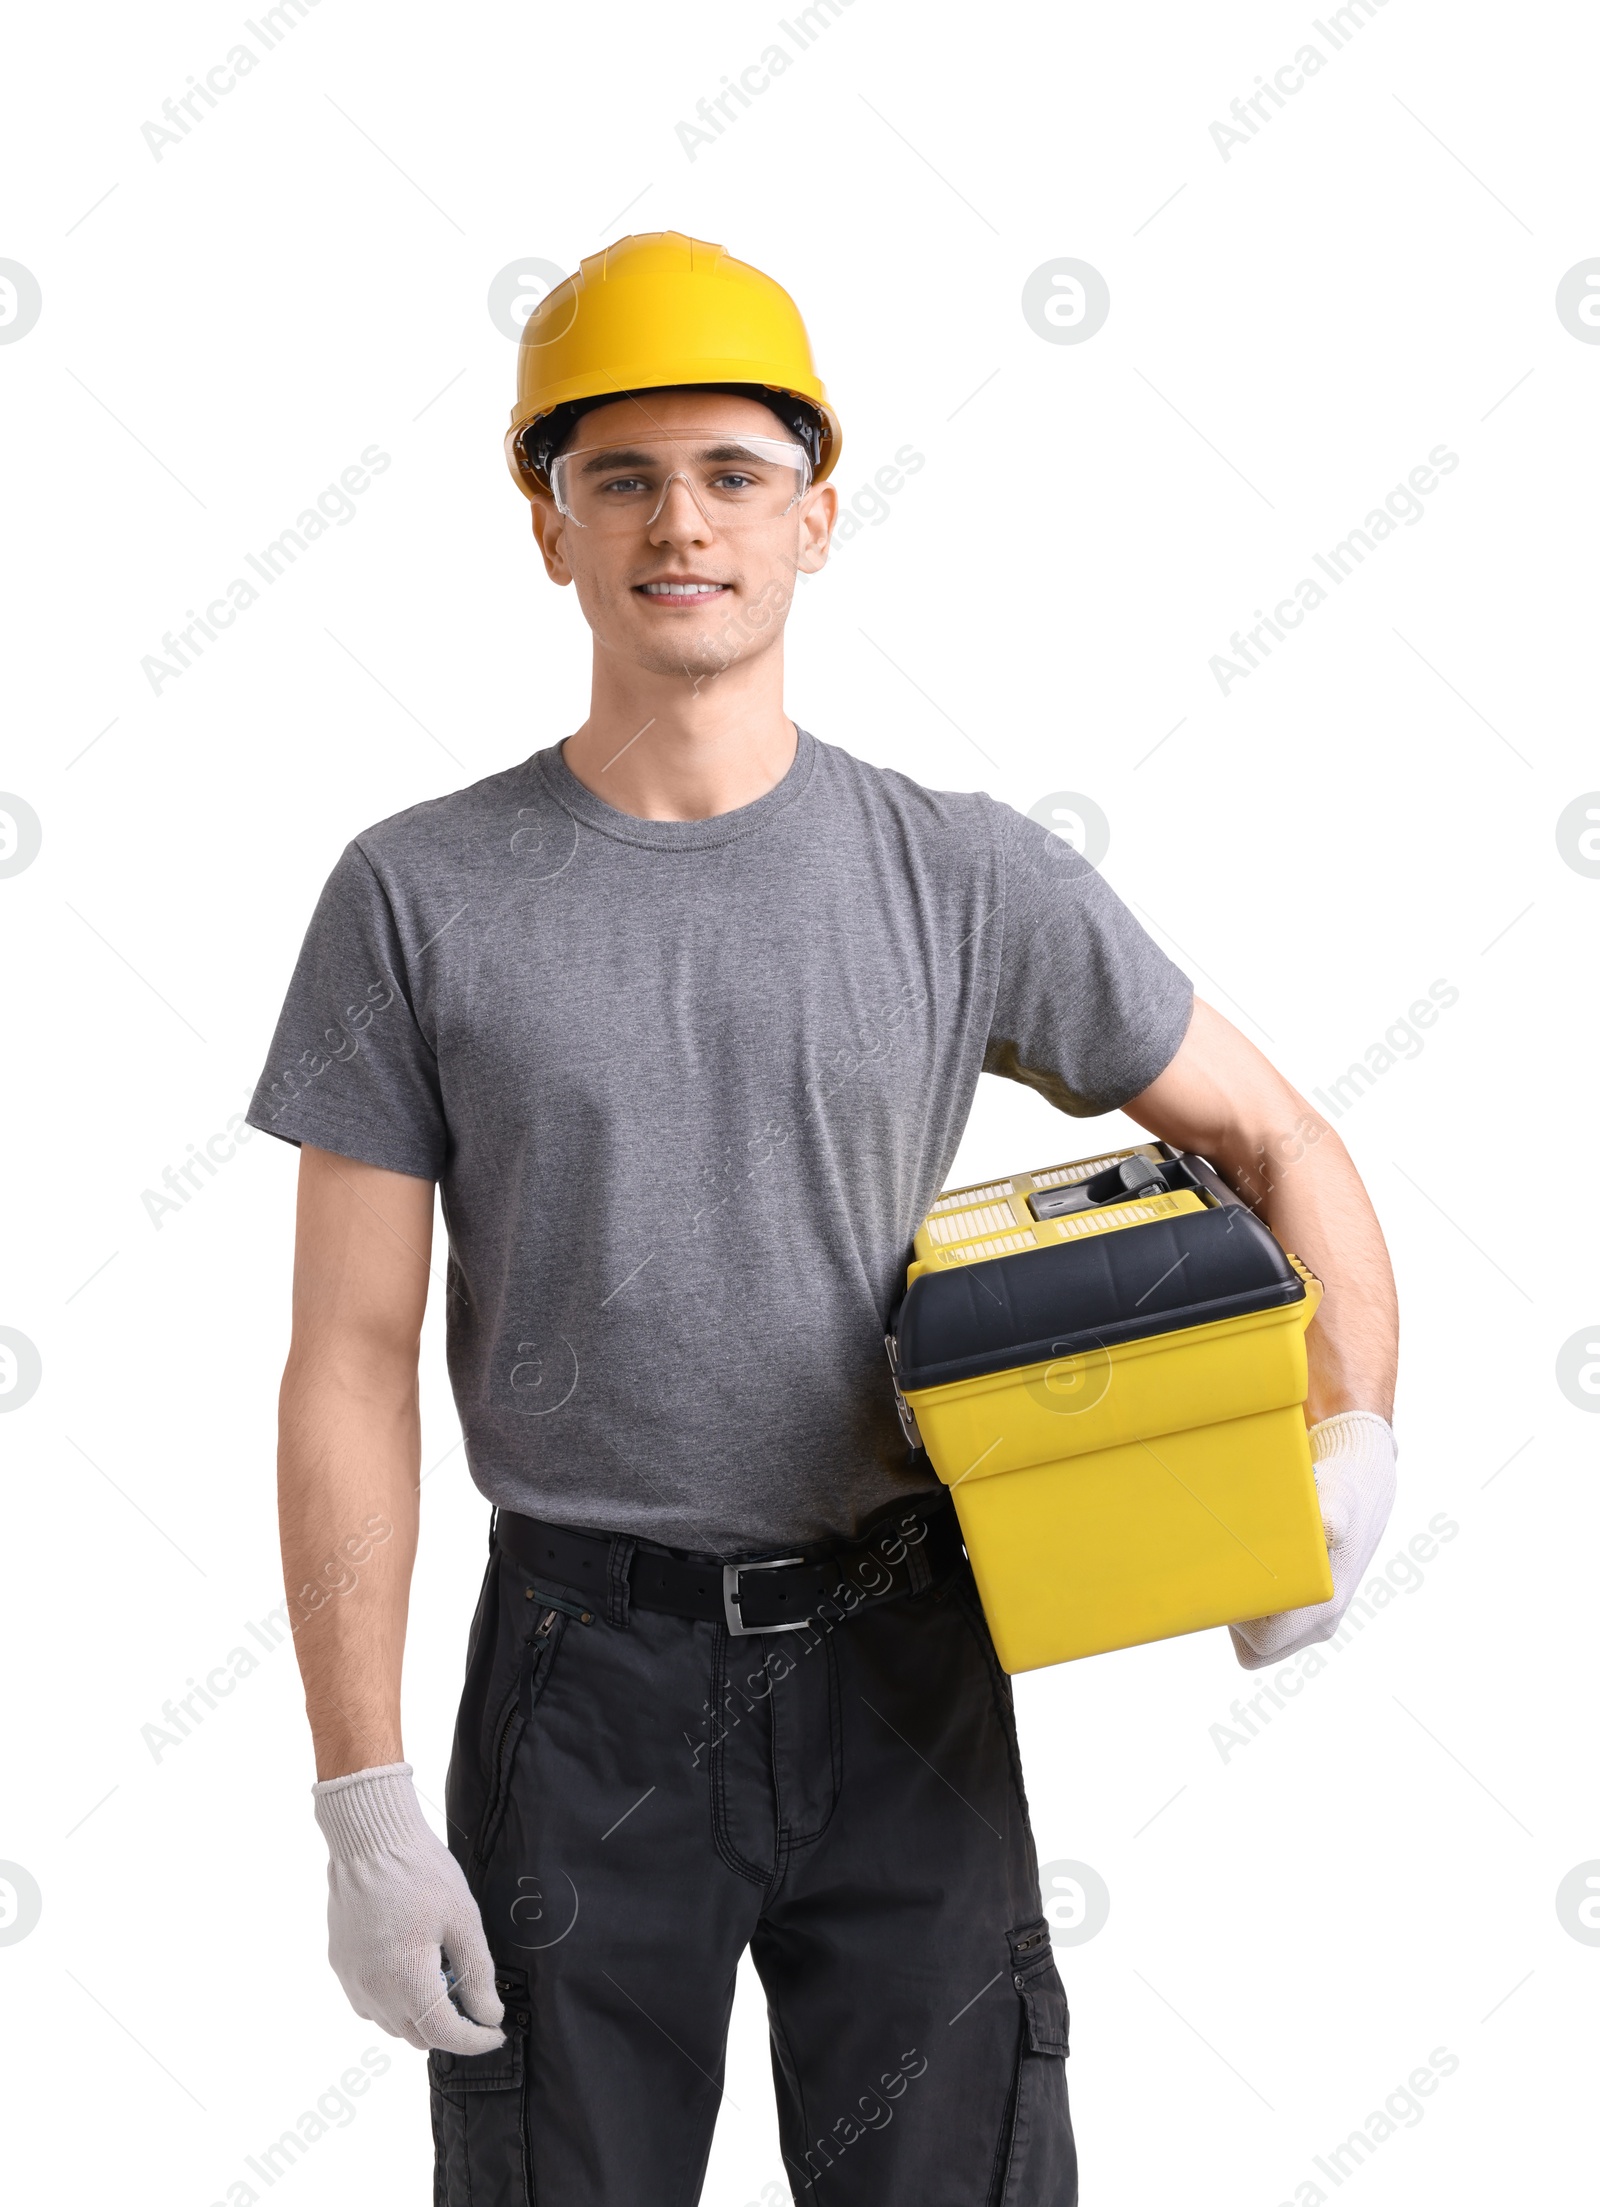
{"x": 682, "y": 590}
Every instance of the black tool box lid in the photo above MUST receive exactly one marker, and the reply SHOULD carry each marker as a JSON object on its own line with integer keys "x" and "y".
{"x": 1190, "y": 1270}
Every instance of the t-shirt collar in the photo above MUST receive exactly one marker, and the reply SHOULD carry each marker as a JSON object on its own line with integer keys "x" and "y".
{"x": 676, "y": 835}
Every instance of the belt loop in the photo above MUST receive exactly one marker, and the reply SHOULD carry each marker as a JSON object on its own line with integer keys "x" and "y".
{"x": 619, "y": 1581}
{"x": 494, "y": 1519}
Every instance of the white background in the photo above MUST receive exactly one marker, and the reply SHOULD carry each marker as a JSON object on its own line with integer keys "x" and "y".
{"x": 1373, "y": 1876}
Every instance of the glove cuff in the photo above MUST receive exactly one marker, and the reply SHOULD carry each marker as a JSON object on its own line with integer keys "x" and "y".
{"x": 1343, "y": 1434}
{"x": 370, "y": 1812}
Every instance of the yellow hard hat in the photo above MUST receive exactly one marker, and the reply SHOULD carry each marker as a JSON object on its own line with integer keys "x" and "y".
{"x": 653, "y": 311}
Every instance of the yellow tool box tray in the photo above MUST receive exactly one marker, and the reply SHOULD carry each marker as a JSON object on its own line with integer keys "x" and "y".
{"x": 1105, "y": 1362}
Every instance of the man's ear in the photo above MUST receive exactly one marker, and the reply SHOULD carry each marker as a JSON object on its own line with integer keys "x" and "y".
{"x": 550, "y": 534}
{"x": 817, "y": 517}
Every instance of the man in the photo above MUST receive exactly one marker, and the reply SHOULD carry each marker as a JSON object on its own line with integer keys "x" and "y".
{"x": 684, "y": 1016}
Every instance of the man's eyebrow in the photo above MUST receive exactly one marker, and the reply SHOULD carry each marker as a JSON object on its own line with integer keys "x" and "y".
{"x": 735, "y": 448}
{"x": 619, "y": 455}
{"x": 732, "y": 448}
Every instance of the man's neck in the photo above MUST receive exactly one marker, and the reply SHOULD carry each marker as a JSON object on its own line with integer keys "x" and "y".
{"x": 667, "y": 747}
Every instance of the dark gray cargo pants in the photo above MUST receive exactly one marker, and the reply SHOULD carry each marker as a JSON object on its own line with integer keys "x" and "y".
{"x": 636, "y": 1801}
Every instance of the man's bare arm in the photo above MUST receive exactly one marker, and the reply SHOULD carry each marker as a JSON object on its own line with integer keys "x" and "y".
{"x": 1221, "y": 1097}
{"x": 349, "y": 1444}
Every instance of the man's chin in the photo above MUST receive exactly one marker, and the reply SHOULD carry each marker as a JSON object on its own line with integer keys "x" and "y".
{"x": 696, "y": 657}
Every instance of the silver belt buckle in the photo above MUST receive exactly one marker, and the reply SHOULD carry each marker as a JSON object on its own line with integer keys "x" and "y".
{"x": 730, "y": 1597}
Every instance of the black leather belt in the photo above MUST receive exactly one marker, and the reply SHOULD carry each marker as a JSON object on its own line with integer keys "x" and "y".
{"x": 904, "y": 1550}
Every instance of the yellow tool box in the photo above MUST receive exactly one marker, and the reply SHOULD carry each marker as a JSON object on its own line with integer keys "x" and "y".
{"x": 1106, "y": 1364}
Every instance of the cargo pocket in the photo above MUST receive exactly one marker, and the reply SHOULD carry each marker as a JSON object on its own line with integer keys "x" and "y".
{"x": 480, "y": 2115}
{"x": 1037, "y": 2161}
{"x": 512, "y": 1720}
{"x": 1044, "y": 1997}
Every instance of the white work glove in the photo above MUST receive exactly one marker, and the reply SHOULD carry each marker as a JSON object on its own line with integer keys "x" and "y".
{"x": 396, "y": 1898}
{"x": 1353, "y": 1458}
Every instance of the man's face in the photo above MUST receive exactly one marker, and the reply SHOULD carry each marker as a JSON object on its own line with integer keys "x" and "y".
{"x": 667, "y": 503}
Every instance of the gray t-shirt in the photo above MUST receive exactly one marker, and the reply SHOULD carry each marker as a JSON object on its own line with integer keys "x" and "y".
{"x": 688, "y": 1088}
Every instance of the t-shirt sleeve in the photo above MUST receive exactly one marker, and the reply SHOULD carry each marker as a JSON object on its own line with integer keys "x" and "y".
{"x": 350, "y": 1069}
{"x": 1088, "y": 1008}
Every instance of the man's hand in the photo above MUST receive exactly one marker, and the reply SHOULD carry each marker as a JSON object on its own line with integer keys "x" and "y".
{"x": 1353, "y": 1458}
{"x": 397, "y": 1901}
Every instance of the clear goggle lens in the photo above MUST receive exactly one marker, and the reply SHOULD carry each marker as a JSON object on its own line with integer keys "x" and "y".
{"x": 734, "y": 481}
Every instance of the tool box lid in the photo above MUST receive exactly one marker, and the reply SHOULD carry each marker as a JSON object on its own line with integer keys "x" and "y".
{"x": 1031, "y": 1307}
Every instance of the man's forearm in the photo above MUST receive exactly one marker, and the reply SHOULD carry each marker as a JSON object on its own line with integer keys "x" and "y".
{"x": 1221, "y": 1097}
{"x": 349, "y": 1448}
{"x": 1303, "y": 1182}
{"x": 348, "y": 1467}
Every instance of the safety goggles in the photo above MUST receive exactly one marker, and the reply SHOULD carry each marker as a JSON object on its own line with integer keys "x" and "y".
{"x": 735, "y": 481}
